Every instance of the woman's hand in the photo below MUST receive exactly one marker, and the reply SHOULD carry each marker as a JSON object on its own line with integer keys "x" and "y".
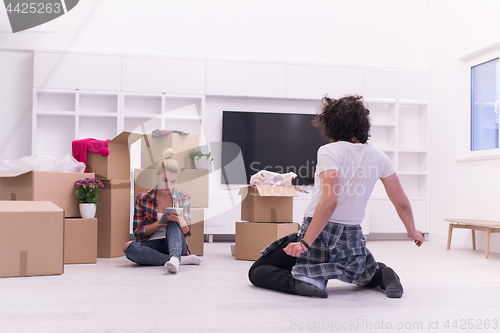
{"x": 295, "y": 249}
{"x": 176, "y": 218}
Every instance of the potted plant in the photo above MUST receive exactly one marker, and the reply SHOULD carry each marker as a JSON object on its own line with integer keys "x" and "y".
{"x": 201, "y": 161}
{"x": 86, "y": 192}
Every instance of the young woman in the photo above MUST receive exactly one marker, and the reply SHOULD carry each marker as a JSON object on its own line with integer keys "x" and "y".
{"x": 330, "y": 244}
{"x": 162, "y": 244}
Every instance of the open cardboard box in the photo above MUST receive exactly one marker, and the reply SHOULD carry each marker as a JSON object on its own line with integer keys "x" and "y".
{"x": 267, "y": 203}
{"x": 37, "y": 247}
{"x": 58, "y": 187}
{"x": 117, "y": 164}
{"x": 152, "y": 149}
{"x": 251, "y": 237}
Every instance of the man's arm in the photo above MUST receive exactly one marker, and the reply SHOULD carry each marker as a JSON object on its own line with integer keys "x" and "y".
{"x": 324, "y": 210}
{"x": 402, "y": 204}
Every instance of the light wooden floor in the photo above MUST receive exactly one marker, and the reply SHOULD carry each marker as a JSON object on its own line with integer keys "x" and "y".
{"x": 117, "y": 296}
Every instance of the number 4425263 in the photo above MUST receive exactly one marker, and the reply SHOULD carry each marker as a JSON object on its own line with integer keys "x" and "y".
{"x": 34, "y": 7}
{"x": 478, "y": 324}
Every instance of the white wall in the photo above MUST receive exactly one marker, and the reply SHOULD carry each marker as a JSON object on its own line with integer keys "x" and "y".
{"x": 458, "y": 189}
{"x": 16, "y": 86}
{"x": 382, "y": 32}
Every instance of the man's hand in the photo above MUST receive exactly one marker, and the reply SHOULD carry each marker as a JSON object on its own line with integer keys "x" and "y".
{"x": 416, "y": 236}
{"x": 295, "y": 249}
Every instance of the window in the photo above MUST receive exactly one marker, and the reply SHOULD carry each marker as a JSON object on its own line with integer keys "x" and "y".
{"x": 479, "y": 105}
{"x": 484, "y": 105}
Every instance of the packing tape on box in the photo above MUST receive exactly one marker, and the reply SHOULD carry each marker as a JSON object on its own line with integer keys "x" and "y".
{"x": 273, "y": 215}
{"x": 150, "y": 152}
{"x": 108, "y": 185}
{"x": 23, "y": 263}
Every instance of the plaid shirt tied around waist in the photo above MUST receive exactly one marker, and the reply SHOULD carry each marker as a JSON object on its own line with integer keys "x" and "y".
{"x": 339, "y": 252}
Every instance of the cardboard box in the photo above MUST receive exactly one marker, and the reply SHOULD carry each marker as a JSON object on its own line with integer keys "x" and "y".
{"x": 117, "y": 164}
{"x": 267, "y": 203}
{"x": 80, "y": 241}
{"x": 152, "y": 149}
{"x": 58, "y": 187}
{"x": 113, "y": 218}
{"x": 196, "y": 241}
{"x": 32, "y": 241}
{"x": 252, "y": 237}
{"x": 192, "y": 181}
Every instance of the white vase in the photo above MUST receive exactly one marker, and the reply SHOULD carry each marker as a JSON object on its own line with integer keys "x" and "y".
{"x": 202, "y": 163}
{"x": 87, "y": 210}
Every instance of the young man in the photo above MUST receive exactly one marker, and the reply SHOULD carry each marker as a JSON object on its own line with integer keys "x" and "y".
{"x": 330, "y": 244}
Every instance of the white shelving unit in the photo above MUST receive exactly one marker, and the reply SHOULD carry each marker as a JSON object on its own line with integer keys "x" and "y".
{"x": 400, "y": 129}
{"x": 61, "y": 116}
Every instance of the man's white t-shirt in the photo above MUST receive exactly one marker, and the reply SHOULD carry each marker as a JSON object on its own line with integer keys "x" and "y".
{"x": 359, "y": 166}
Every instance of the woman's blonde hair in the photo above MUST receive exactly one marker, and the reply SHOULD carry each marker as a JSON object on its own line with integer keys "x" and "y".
{"x": 168, "y": 163}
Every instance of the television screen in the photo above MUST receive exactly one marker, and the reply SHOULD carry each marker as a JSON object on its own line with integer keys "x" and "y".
{"x": 279, "y": 142}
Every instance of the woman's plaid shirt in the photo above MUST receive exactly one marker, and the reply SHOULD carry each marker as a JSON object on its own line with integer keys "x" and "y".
{"x": 146, "y": 210}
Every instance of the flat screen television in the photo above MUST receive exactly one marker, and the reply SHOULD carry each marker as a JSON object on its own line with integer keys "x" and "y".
{"x": 279, "y": 142}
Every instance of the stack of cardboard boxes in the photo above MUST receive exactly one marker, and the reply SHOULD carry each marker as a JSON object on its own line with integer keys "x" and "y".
{"x": 40, "y": 210}
{"x": 190, "y": 180}
{"x": 269, "y": 210}
{"x": 113, "y": 210}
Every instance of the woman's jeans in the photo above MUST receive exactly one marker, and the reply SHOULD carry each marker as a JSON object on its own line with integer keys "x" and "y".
{"x": 157, "y": 252}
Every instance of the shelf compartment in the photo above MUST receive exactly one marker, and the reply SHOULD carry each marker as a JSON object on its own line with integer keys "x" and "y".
{"x": 101, "y": 128}
{"x": 414, "y": 185}
{"x": 182, "y": 108}
{"x": 383, "y": 216}
{"x": 145, "y": 125}
{"x": 382, "y": 113}
{"x": 383, "y": 138}
{"x": 378, "y": 191}
{"x": 413, "y": 121}
{"x": 55, "y": 135}
{"x": 97, "y": 104}
{"x": 142, "y": 105}
{"x": 188, "y": 126}
{"x": 415, "y": 162}
{"x": 56, "y": 102}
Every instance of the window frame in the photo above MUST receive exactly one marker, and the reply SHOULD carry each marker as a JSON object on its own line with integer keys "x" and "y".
{"x": 465, "y": 98}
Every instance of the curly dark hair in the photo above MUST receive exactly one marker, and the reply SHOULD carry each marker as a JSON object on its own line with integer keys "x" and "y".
{"x": 344, "y": 119}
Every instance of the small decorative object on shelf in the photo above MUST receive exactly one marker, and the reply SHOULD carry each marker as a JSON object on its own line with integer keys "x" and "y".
{"x": 87, "y": 195}
{"x": 201, "y": 161}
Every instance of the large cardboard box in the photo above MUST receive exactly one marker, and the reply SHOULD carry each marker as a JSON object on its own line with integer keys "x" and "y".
{"x": 251, "y": 237}
{"x": 152, "y": 149}
{"x": 58, "y": 187}
{"x": 197, "y": 239}
{"x": 267, "y": 203}
{"x": 32, "y": 238}
{"x": 113, "y": 218}
{"x": 80, "y": 241}
{"x": 117, "y": 164}
{"x": 192, "y": 181}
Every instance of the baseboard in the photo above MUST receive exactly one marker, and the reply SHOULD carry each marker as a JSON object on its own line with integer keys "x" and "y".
{"x": 222, "y": 238}
{"x": 389, "y": 236}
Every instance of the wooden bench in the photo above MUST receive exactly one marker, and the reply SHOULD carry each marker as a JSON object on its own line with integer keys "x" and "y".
{"x": 481, "y": 225}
